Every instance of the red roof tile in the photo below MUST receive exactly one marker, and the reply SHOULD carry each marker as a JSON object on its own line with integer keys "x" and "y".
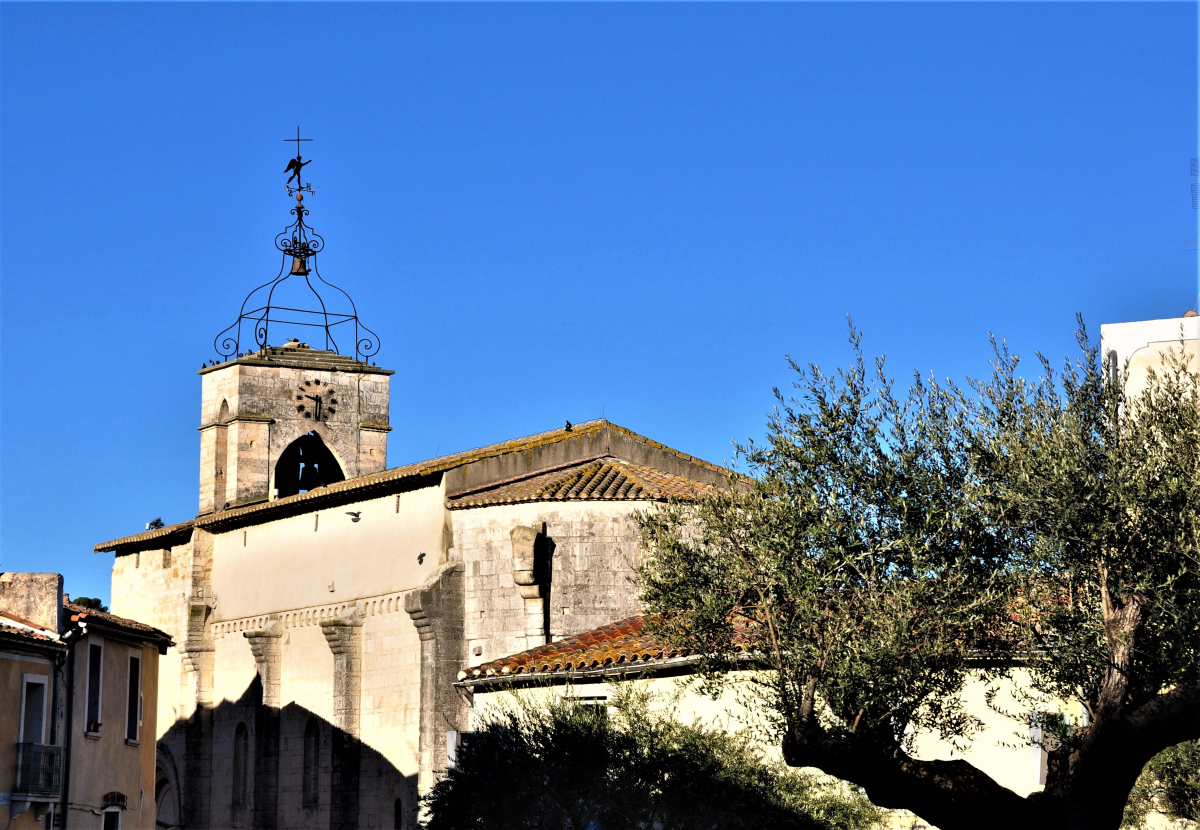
{"x": 622, "y": 644}
{"x": 13, "y": 625}
{"x": 18, "y": 633}
{"x": 80, "y": 613}
{"x": 22, "y": 620}
{"x": 604, "y": 479}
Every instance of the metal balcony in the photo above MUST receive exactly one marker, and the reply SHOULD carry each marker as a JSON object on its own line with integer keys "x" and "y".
{"x": 39, "y": 773}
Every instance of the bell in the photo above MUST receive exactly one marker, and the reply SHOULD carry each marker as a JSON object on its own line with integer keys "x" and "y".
{"x": 310, "y": 477}
{"x": 299, "y": 266}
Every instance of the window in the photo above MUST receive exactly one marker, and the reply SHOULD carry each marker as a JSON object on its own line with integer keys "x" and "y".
{"x": 112, "y": 820}
{"x": 241, "y": 753}
{"x": 398, "y": 821}
{"x": 133, "y": 709}
{"x": 594, "y": 703}
{"x": 312, "y": 754}
{"x": 33, "y": 709}
{"x": 95, "y": 685}
{"x": 1045, "y": 732}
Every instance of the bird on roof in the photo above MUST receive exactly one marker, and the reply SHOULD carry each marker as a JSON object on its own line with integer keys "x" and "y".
{"x": 568, "y": 426}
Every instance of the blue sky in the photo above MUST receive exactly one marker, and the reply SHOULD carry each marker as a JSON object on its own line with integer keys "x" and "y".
{"x": 553, "y": 211}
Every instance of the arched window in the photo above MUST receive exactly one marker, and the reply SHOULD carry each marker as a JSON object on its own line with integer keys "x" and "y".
{"x": 399, "y": 820}
{"x": 220, "y": 457}
{"x": 241, "y": 766}
{"x": 305, "y": 465}
{"x": 166, "y": 799}
{"x": 312, "y": 754}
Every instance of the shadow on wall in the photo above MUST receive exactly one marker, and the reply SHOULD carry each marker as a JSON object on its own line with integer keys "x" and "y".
{"x": 241, "y": 764}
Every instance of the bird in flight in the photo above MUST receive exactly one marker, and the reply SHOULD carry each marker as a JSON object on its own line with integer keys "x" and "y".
{"x": 294, "y": 167}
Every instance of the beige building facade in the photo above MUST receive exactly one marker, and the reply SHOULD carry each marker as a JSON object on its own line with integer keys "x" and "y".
{"x": 1134, "y": 349}
{"x": 78, "y": 711}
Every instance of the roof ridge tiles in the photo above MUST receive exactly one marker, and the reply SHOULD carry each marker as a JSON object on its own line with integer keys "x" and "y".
{"x": 647, "y": 484}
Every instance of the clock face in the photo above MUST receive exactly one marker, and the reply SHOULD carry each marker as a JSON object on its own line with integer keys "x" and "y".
{"x": 316, "y": 400}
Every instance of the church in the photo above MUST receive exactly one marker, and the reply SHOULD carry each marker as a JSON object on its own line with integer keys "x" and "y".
{"x": 336, "y": 622}
{"x": 324, "y": 607}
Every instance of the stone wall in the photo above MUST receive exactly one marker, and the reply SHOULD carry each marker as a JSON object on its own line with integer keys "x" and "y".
{"x": 436, "y": 609}
{"x": 249, "y": 415}
{"x": 384, "y": 742}
{"x": 152, "y": 587}
{"x": 330, "y": 556}
{"x": 594, "y": 548}
{"x": 33, "y": 597}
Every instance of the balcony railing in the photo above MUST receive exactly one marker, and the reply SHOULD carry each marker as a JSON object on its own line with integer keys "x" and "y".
{"x": 39, "y": 772}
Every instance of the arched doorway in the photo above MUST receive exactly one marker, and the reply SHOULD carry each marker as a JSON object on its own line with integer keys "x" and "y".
{"x": 305, "y": 465}
{"x": 166, "y": 793}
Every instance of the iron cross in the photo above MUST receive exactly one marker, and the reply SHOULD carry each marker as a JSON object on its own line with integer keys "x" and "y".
{"x": 297, "y": 139}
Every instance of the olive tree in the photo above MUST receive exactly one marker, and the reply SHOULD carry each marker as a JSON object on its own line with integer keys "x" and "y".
{"x": 1168, "y": 786}
{"x": 890, "y": 547}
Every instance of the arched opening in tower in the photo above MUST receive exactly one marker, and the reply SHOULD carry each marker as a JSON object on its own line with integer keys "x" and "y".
{"x": 305, "y": 465}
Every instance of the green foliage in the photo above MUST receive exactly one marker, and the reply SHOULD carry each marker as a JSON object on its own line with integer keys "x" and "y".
{"x": 858, "y": 562}
{"x": 1170, "y": 784}
{"x": 90, "y": 602}
{"x": 1104, "y": 496}
{"x": 563, "y": 765}
{"x": 888, "y": 547}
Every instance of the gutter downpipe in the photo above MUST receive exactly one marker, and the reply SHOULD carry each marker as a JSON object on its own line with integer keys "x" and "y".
{"x": 70, "y": 731}
{"x": 55, "y": 697}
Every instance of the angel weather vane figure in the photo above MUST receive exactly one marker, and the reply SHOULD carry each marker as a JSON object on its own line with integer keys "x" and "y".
{"x": 294, "y": 167}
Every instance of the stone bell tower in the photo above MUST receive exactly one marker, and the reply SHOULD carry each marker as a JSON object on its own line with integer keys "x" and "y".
{"x": 277, "y": 421}
{"x": 280, "y": 420}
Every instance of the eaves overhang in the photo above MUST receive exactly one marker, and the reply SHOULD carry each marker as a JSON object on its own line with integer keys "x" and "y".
{"x": 669, "y": 667}
{"x": 408, "y": 477}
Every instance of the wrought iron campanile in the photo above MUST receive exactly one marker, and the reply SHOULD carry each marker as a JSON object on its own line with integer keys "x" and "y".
{"x": 294, "y": 297}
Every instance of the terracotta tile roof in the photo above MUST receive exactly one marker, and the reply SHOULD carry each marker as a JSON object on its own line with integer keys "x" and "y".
{"x": 622, "y": 645}
{"x": 368, "y": 486}
{"x": 13, "y": 625}
{"x": 137, "y": 629}
{"x": 605, "y": 479}
{"x": 163, "y": 537}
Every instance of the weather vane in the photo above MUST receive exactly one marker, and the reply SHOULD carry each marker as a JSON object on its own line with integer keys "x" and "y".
{"x": 295, "y": 167}
{"x": 315, "y": 302}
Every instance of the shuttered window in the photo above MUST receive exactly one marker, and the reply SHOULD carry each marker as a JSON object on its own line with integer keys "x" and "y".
{"x": 133, "y": 707}
{"x": 95, "y": 684}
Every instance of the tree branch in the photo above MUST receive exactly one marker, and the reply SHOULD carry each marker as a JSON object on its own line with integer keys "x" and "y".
{"x": 953, "y": 795}
{"x": 1170, "y": 718}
